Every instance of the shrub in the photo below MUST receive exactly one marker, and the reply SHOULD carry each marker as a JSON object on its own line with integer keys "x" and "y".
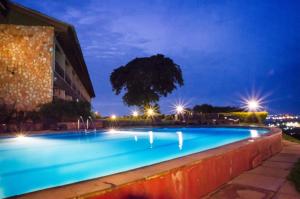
{"x": 6, "y": 113}
{"x": 207, "y": 108}
{"x": 61, "y": 110}
{"x": 250, "y": 117}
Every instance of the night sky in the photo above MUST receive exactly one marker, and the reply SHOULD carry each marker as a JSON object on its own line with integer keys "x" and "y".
{"x": 226, "y": 49}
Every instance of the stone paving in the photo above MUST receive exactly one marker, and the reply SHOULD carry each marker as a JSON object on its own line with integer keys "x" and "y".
{"x": 268, "y": 181}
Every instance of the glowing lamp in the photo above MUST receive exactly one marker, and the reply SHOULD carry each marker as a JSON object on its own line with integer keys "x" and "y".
{"x": 253, "y": 105}
{"x": 179, "y": 109}
{"x": 112, "y": 130}
{"x": 20, "y": 136}
{"x": 135, "y": 114}
{"x": 150, "y": 112}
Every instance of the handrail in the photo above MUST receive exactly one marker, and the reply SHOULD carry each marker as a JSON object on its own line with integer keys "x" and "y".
{"x": 82, "y": 121}
{"x": 87, "y": 123}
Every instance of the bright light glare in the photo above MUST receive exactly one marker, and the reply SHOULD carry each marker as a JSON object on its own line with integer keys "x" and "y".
{"x": 20, "y": 136}
{"x": 135, "y": 114}
{"x": 112, "y": 130}
{"x": 253, "y": 105}
{"x": 179, "y": 109}
{"x": 254, "y": 102}
{"x": 113, "y": 117}
{"x": 293, "y": 124}
{"x": 150, "y": 112}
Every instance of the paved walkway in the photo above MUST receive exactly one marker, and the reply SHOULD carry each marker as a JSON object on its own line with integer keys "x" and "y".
{"x": 267, "y": 181}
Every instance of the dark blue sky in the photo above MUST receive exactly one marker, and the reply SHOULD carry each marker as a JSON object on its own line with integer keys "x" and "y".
{"x": 226, "y": 49}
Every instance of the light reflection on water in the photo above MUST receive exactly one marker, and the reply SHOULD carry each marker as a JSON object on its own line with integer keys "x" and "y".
{"x": 180, "y": 139}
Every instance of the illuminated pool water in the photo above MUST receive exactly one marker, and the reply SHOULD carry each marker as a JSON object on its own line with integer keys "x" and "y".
{"x": 37, "y": 162}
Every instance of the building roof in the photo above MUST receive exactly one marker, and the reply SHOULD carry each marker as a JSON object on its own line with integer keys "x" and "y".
{"x": 12, "y": 13}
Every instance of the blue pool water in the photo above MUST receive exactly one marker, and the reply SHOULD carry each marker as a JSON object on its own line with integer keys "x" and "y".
{"x": 33, "y": 163}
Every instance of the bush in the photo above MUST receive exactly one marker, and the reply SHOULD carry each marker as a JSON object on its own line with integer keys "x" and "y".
{"x": 6, "y": 113}
{"x": 250, "y": 117}
{"x": 51, "y": 113}
{"x": 14, "y": 120}
{"x": 169, "y": 117}
{"x": 207, "y": 108}
{"x": 61, "y": 110}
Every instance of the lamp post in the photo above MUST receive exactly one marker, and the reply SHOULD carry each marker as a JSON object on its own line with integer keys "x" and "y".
{"x": 253, "y": 105}
{"x": 150, "y": 113}
{"x": 135, "y": 114}
{"x": 179, "y": 111}
{"x": 113, "y": 117}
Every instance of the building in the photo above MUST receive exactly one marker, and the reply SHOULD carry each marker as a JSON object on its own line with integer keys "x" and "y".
{"x": 40, "y": 59}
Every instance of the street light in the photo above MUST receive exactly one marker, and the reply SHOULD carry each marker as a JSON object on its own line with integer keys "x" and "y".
{"x": 150, "y": 112}
{"x": 20, "y": 136}
{"x": 253, "y": 105}
{"x": 179, "y": 109}
{"x": 135, "y": 113}
{"x": 113, "y": 117}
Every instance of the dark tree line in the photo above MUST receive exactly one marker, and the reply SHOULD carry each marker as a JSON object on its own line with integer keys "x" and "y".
{"x": 207, "y": 108}
{"x": 50, "y": 113}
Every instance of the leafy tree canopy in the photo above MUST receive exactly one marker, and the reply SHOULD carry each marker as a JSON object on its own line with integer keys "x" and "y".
{"x": 207, "y": 108}
{"x": 61, "y": 110}
{"x": 146, "y": 79}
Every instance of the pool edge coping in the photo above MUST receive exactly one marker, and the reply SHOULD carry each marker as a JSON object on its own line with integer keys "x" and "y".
{"x": 54, "y": 132}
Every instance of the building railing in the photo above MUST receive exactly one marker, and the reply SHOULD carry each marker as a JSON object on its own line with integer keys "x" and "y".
{"x": 59, "y": 70}
{"x": 70, "y": 90}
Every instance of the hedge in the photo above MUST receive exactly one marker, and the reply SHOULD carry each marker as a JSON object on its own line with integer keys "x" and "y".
{"x": 250, "y": 117}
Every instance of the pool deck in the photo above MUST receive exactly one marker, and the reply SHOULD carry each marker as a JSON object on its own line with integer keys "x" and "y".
{"x": 266, "y": 181}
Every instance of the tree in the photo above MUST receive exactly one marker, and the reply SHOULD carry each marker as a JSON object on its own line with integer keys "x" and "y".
{"x": 204, "y": 108}
{"x": 207, "y": 108}
{"x": 60, "y": 110}
{"x": 146, "y": 79}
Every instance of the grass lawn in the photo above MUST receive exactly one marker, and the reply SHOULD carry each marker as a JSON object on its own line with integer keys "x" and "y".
{"x": 294, "y": 175}
{"x": 290, "y": 138}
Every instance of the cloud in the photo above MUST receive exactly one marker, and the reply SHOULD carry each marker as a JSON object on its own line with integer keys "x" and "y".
{"x": 147, "y": 27}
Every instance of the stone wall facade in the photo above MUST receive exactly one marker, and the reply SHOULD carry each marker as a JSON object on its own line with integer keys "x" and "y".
{"x": 26, "y": 60}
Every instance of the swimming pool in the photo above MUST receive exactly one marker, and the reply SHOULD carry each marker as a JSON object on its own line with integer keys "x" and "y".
{"x": 38, "y": 162}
